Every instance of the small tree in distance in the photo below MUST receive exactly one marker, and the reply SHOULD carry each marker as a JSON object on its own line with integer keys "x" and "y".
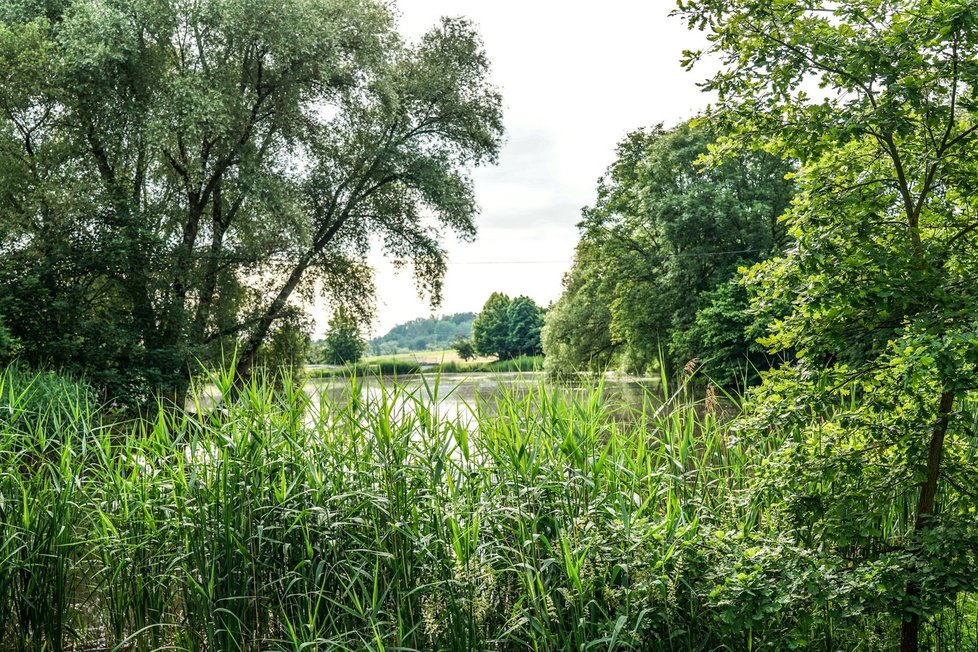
{"x": 463, "y": 346}
{"x": 507, "y": 328}
{"x": 343, "y": 342}
{"x": 490, "y": 330}
{"x": 525, "y": 322}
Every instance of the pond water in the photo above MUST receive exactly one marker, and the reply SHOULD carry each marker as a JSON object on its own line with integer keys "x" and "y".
{"x": 458, "y": 395}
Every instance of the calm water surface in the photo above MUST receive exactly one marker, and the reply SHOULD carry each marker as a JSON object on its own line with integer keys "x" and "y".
{"x": 458, "y": 395}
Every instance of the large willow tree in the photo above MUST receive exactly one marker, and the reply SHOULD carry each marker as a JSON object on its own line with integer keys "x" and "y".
{"x": 174, "y": 174}
{"x": 876, "y": 99}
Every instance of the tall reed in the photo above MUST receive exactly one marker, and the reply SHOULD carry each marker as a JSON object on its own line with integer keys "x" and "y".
{"x": 553, "y": 519}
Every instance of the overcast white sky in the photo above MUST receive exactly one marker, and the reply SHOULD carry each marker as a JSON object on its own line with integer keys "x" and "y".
{"x": 575, "y": 78}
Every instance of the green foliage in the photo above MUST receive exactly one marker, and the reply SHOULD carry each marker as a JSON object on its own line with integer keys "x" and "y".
{"x": 173, "y": 176}
{"x": 553, "y": 519}
{"x": 44, "y": 401}
{"x": 424, "y": 334}
{"x": 463, "y": 346}
{"x": 508, "y": 327}
{"x": 518, "y": 364}
{"x": 879, "y": 400}
{"x": 525, "y": 319}
{"x": 287, "y": 350}
{"x": 665, "y": 232}
{"x": 390, "y": 368}
{"x": 726, "y": 332}
{"x": 490, "y": 330}
{"x": 576, "y": 334}
{"x": 343, "y": 342}
{"x": 523, "y": 364}
{"x": 8, "y": 345}
{"x": 374, "y": 368}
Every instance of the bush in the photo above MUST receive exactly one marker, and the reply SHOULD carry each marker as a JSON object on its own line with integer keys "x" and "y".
{"x": 42, "y": 401}
{"x": 8, "y": 345}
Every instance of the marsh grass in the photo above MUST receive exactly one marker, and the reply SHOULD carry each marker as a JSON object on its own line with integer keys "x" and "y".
{"x": 377, "y": 523}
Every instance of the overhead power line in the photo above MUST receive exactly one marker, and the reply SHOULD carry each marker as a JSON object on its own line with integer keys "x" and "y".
{"x": 510, "y": 262}
{"x": 690, "y": 254}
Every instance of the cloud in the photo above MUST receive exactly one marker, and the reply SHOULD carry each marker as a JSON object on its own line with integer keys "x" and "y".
{"x": 532, "y": 219}
{"x": 575, "y": 79}
{"x": 528, "y": 155}
{"x": 526, "y": 189}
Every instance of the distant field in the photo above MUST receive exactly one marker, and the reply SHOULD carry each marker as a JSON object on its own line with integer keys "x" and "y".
{"x": 423, "y": 357}
{"x": 428, "y": 361}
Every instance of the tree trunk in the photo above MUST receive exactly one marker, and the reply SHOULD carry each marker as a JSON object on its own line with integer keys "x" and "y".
{"x": 219, "y": 225}
{"x": 249, "y": 351}
{"x": 910, "y": 631}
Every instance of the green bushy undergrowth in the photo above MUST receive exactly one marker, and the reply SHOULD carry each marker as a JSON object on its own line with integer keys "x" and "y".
{"x": 285, "y": 522}
{"x": 519, "y": 364}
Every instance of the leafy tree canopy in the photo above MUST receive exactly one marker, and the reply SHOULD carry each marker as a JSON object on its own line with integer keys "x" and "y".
{"x": 665, "y": 232}
{"x": 490, "y": 330}
{"x": 287, "y": 349}
{"x": 525, "y": 319}
{"x": 576, "y": 335}
{"x": 343, "y": 342}
{"x": 176, "y": 177}
{"x": 876, "y": 477}
{"x": 507, "y": 328}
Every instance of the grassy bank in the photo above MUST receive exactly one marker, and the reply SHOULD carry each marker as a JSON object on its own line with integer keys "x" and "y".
{"x": 290, "y": 523}
{"x": 402, "y": 366}
{"x": 422, "y": 357}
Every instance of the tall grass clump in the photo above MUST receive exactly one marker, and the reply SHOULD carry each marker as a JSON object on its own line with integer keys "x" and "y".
{"x": 44, "y": 419}
{"x": 548, "y": 519}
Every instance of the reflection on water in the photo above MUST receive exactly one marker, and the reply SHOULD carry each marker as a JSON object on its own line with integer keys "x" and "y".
{"x": 459, "y": 396}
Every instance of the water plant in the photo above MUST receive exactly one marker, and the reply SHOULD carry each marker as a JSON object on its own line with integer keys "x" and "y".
{"x": 550, "y": 519}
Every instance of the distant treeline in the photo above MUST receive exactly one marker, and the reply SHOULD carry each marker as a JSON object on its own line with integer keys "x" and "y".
{"x": 424, "y": 334}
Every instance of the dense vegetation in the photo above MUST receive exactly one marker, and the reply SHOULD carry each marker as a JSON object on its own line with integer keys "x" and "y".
{"x": 403, "y": 366}
{"x": 877, "y": 482}
{"x": 655, "y": 275}
{"x": 343, "y": 343}
{"x": 175, "y": 176}
{"x": 8, "y": 345}
{"x": 830, "y": 507}
{"x": 287, "y": 350}
{"x": 861, "y": 293}
{"x": 507, "y": 328}
{"x": 424, "y": 334}
{"x": 561, "y": 521}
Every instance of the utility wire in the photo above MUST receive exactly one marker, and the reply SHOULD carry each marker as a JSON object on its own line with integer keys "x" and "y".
{"x": 510, "y": 262}
{"x": 691, "y": 254}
